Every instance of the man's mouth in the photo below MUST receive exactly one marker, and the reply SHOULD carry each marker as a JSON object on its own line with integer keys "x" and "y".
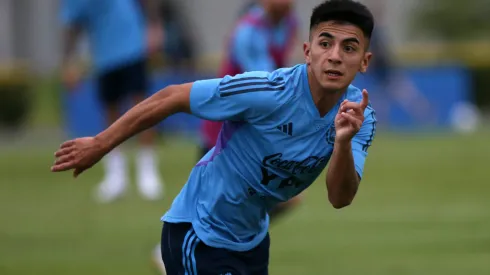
{"x": 334, "y": 73}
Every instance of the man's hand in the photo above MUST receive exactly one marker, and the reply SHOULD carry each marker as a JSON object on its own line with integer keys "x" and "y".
{"x": 349, "y": 119}
{"x": 78, "y": 154}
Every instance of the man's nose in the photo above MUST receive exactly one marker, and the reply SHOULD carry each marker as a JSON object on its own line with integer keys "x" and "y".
{"x": 334, "y": 55}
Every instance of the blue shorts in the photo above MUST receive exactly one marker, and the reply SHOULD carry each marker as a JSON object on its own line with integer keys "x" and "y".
{"x": 127, "y": 80}
{"x": 184, "y": 253}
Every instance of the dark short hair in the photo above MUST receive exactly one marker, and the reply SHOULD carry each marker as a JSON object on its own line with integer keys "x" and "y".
{"x": 345, "y": 11}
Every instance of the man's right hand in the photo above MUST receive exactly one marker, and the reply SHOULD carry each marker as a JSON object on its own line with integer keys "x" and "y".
{"x": 79, "y": 154}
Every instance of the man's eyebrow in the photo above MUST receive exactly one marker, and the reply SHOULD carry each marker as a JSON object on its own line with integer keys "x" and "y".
{"x": 347, "y": 40}
{"x": 326, "y": 34}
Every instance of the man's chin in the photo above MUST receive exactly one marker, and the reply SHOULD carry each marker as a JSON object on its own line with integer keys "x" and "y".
{"x": 333, "y": 87}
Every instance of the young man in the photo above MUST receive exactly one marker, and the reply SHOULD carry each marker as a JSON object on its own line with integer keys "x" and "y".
{"x": 120, "y": 43}
{"x": 281, "y": 129}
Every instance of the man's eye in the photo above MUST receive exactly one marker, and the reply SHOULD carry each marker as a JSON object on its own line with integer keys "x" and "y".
{"x": 349, "y": 49}
{"x": 324, "y": 44}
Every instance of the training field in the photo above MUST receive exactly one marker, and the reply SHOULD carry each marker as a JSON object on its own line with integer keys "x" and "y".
{"x": 423, "y": 208}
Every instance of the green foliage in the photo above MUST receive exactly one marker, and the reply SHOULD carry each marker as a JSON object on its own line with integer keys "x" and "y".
{"x": 15, "y": 98}
{"x": 481, "y": 82}
{"x": 463, "y": 27}
{"x": 452, "y": 20}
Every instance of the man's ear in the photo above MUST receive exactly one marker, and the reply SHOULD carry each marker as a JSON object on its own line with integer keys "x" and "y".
{"x": 365, "y": 62}
{"x": 307, "y": 51}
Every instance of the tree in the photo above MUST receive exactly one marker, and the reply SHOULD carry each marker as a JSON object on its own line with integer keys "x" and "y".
{"x": 452, "y": 20}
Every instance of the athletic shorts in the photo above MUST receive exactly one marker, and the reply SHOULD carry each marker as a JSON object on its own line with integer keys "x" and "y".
{"x": 184, "y": 253}
{"x": 126, "y": 80}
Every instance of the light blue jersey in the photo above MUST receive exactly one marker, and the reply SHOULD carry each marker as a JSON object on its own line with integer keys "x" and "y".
{"x": 272, "y": 146}
{"x": 115, "y": 28}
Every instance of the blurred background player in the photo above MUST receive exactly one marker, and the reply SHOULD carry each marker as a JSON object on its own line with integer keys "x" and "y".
{"x": 263, "y": 40}
{"x": 121, "y": 40}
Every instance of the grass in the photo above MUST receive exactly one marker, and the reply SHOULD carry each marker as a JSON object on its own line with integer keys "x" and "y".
{"x": 46, "y": 107}
{"x": 422, "y": 209}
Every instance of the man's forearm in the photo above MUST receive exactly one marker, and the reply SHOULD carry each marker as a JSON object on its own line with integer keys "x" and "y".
{"x": 143, "y": 116}
{"x": 342, "y": 178}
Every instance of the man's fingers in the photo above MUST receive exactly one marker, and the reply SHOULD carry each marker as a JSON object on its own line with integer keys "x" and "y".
{"x": 62, "y": 167}
{"x": 349, "y": 105}
{"x": 62, "y": 152}
{"x": 365, "y": 99}
{"x": 67, "y": 144}
{"x": 352, "y": 120}
{"x": 356, "y": 107}
{"x": 63, "y": 159}
{"x": 341, "y": 105}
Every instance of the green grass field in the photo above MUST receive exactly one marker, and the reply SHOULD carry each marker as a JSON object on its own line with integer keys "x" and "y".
{"x": 423, "y": 208}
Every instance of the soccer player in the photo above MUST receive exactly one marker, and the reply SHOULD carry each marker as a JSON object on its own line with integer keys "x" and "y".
{"x": 281, "y": 129}
{"x": 120, "y": 42}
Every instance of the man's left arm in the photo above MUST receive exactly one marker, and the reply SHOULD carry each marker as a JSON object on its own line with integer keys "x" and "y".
{"x": 347, "y": 163}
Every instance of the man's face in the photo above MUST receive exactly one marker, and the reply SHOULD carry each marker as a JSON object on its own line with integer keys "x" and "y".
{"x": 335, "y": 53}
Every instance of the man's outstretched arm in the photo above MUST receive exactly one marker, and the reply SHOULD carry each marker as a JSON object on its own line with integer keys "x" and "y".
{"x": 82, "y": 153}
{"x": 168, "y": 101}
{"x": 214, "y": 99}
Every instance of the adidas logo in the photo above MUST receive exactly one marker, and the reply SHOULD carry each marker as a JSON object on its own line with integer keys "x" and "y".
{"x": 286, "y": 128}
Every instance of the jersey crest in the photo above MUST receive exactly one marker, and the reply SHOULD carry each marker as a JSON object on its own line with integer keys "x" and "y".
{"x": 330, "y": 136}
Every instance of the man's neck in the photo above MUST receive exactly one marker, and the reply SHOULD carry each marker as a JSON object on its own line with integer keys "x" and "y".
{"x": 324, "y": 100}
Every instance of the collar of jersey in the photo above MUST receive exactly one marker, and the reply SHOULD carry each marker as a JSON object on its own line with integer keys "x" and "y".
{"x": 311, "y": 104}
